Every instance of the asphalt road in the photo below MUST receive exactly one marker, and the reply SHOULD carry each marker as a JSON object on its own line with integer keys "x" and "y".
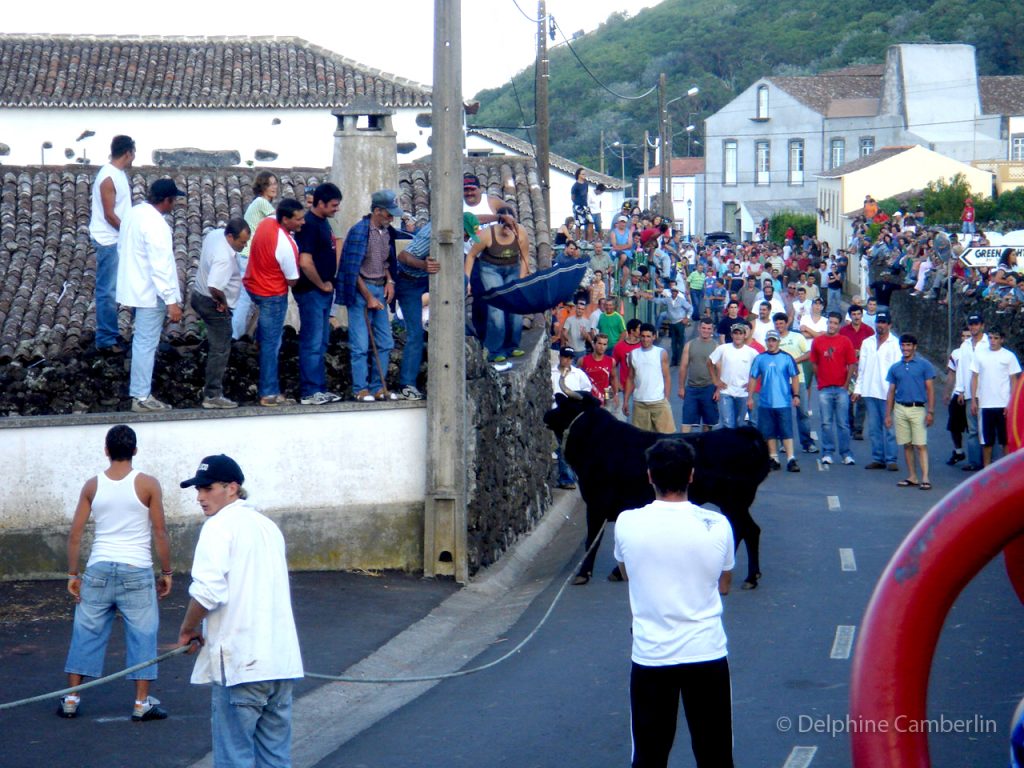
{"x": 564, "y": 699}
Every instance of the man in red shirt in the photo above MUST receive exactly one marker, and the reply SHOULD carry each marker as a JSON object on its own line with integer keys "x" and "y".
{"x": 629, "y": 342}
{"x": 856, "y": 331}
{"x": 834, "y": 361}
{"x": 600, "y": 369}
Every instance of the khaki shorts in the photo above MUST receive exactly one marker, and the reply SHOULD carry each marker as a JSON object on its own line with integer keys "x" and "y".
{"x": 909, "y": 425}
{"x": 654, "y": 417}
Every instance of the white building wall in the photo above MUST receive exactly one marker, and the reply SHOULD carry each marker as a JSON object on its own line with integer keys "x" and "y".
{"x": 304, "y": 138}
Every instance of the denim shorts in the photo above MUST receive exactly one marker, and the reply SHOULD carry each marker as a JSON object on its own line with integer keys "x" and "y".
{"x": 108, "y": 589}
{"x": 699, "y": 406}
{"x": 775, "y": 423}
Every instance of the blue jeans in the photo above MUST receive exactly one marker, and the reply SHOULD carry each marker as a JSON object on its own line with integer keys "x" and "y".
{"x": 252, "y": 724}
{"x": 803, "y": 421}
{"x": 565, "y": 474}
{"x": 504, "y": 329}
{"x": 365, "y": 373}
{"x": 108, "y": 589}
{"x": 883, "y": 439}
{"x": 697, "y": 299}
{"x": 106, "y": 288}
{"x": 314, "y": 333}
{"x": 149, "y": 323}
{"x": 835, "y": 417}
{"x": 410, "y": 298}
{"x": 733, "y": 410}
{"x": 835, "y": 300}
{"x": 971, "y": 437}
{"x": 271, "y": 326}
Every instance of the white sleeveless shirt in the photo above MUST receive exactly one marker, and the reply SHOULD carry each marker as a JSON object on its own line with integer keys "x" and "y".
{"x": 123, "y": 529}
{"x": 99, "y": 228}
{"x": 649, "y": 383}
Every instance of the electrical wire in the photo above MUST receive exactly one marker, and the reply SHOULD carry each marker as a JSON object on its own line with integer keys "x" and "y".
{"x": 525, "y": 14}
{"x": 595, "y": 78}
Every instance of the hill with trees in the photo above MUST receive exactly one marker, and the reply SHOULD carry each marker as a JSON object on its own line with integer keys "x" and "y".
{"x": 722, "y": 46}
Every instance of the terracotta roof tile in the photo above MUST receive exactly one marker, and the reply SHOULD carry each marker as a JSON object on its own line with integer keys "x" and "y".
{"x": 48, "y": 268}
{"x": 1002, "y": 95}
{"x": 819, "y": 91}
{"x": 681, "y": 166}
{"x": 199, "y": 72}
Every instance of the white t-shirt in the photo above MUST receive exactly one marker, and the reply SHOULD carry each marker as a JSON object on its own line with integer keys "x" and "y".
{"x": 674, "y": 553}
{"x": 994, "y": 369}
{"x": 99, "y": 228}
{"x": 218, "y": 267}
{"x": 800, "y": 310}
{"x": 575, "y": 380}
{"x": 735, "y": 371}
{"x": 818, "y": 326}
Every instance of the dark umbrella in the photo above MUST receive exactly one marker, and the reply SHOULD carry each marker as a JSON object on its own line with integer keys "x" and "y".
{"x": 540, "y": 291}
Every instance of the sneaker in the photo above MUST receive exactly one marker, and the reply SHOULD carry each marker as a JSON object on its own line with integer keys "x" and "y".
{"x": 364, "y": 396}
{"x": 212, "y": 403}
{"x": 148, "y": 710}
{"x": 849, "y": 461}
{"x": 502, "y": 367}
{"x": 826, "y": 459}
{"x": 383, "y": 394}
{"x": 409, "y": 392}
{"x": 892, "y": 467}
{"x": 149, "y": 405}
{"x": 320, "y": 398}
{"x": 792, "y": 466}
{"x": 517, "y": 353}
{"x": 956, "y": 458}
{"x": 970, "y": 467}
{"x": 773, "y": 462}
{"x": 272, "y": 401}
{"x": 875, "y": 465}
{"x": 68, "y": 706}
{"x": 499, "y": 359}
{"x": 812, "y": 448}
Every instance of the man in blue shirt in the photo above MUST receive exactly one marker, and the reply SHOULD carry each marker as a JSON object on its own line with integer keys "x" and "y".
{"x": 780, "y": 392}
{"x": 715, "y": 296}
{"x": 910, "y": 406}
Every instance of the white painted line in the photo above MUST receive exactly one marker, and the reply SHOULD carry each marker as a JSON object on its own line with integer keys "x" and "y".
{"x": 833, "y": 503}
{"x": 846, "y": 560}
{"x": 800, "y": 757}
{"x": 843, "y": 642}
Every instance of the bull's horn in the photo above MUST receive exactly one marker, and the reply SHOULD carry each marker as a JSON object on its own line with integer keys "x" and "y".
{"x": 565, "y": 390}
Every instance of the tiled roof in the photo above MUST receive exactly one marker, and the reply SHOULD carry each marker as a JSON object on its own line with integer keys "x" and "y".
{"x": 865, "y": 161}
{"x": 47, "y": 267}
{"x": 526, "y": 149}
{"x": 1002, "y": 95}
{"x": 681, "y": 166}
{"x": 198, "y": 72}
{"x": 820, "y": 91}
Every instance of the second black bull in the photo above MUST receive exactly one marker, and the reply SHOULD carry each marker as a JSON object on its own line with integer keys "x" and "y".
{"x": 607, "y": 456}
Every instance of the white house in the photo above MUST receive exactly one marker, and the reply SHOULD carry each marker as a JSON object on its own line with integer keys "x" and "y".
{"x": 686, "y": 179}
{"x": 767, "y": 146}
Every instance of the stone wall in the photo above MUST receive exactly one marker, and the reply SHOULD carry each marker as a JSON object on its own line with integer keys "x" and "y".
{"x": 508, "y": 449}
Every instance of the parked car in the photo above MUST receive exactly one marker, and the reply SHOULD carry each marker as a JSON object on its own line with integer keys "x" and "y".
{"x": 717, "y": 238}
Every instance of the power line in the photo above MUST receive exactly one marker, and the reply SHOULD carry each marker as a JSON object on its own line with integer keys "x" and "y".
{"x": 595, "y": 78}
{"x": 525, "y": 14}
{"x": 522, "y": 114}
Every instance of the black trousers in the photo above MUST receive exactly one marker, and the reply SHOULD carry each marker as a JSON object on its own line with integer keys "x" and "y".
{"x": 654, "y": 694}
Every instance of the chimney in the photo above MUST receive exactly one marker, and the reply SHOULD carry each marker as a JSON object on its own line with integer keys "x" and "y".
{"x": 365, "y": 158}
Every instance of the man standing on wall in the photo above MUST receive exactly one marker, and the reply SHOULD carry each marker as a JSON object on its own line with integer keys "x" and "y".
{"x": 241, "y": 615}
{"x": 128, "y": 513}
{"x": 147, "y": 279}
{"x": 111, "y": 201}
{"x": 581, "y": 206}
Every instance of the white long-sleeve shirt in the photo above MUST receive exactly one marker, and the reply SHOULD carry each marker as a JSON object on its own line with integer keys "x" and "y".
{"x": 146, "y": 270}
{"x": 963, "y": 369}
{"x": 875, "y": 361}
{"x": 240, "y": 576}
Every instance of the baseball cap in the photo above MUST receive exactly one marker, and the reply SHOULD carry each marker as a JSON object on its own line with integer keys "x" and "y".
{"x": 883, "y": 317}
{"x": 975, "y": 318}
{"x": 738, "y": 327}
{"x": 772, "y": 335}
{"x": 470, "y": 181}
{"x": 215, "y": 469}
{"x": 567, "y": 352}
{"x": 388, "y": 200}
{"x": 470, "y": 224}
{"x": 164, "y": 188}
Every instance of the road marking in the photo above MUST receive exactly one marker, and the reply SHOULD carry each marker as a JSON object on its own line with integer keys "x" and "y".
{"x": 846, "y": 560}
{"x": 843, "y": 642}
{"x": 800, "y": 757}
{"x": 833, "y": 503}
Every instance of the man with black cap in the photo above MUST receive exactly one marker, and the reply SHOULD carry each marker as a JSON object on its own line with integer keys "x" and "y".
{"x": 877, "y": 355}
{"x": 567, "y": 375}
{"x": 147, "y": 279}
{"x": 366, "y": 285}
{"x": 241, "y": 616}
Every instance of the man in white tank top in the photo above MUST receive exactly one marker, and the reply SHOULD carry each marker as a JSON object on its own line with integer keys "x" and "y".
{"x": 127, "y": 509}
{"x": 648, "y": 381}
{"x": 111, "y": 200}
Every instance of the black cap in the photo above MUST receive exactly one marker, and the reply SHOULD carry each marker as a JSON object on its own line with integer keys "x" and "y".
{"x": 975, "y": 318}
{"x": 883, "y": 317}
{"x": 164, "y": 188}
{"x": 567, "y": 352}
{"x": 216, "y": 469}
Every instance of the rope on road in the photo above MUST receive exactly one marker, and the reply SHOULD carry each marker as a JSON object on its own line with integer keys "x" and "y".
{"x": 98, "y": 681}
{"x": 316, "y": 675}
{"x": 482, "y": 667}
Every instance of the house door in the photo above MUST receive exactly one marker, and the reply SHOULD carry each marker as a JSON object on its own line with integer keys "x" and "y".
{"x": 731, "y": 220}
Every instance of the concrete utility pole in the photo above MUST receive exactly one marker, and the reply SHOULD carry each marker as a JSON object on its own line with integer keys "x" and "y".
{"x": 647, "y": 167}
{"x": 541, "y": 106}
{"x": 664, "y": 203}
{"x": 444, "y": 522}
{"x": 602, "y": 151}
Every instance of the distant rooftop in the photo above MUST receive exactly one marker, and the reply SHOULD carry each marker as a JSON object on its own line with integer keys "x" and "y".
{"x": 865, "y": 161}
{"x": 681, "y": 166}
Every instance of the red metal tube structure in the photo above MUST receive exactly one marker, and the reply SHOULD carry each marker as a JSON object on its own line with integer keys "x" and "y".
{"x": 901, "y": 626}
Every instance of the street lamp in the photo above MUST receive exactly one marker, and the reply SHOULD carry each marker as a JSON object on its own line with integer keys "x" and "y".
{"x": 689, "y": 136}
{"x": 689, "y": 220}
{"x": 666, "y": 144}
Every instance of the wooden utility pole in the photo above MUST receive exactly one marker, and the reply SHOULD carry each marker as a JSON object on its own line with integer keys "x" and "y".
{"x": 541, "y": 107}
{"x": 602, "y": 151}
{"x": 444, "y": 529}
{"x": 647, "y": 181}
{"x": 663, "y": 201}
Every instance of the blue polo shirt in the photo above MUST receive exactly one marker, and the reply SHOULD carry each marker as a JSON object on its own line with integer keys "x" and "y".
{"x": 909, "y": 377}
{"x": 776, "y": 372}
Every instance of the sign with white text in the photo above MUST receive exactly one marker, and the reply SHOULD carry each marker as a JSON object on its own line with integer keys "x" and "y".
{"x": 987, "y": 256}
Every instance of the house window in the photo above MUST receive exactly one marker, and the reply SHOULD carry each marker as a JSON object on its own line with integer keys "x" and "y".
{"x": 867, "y": 145}
{"x": 1017, "y": 147}
{"x": 762, "y": 163}
{"x": 762, "y": 102}
{"x": 796, "y": 162}
{"x": 837, "y": 153}
{"x": 729, "y": 161}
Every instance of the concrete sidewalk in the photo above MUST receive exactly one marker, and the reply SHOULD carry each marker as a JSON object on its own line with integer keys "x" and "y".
{"x": 352, "y": 624}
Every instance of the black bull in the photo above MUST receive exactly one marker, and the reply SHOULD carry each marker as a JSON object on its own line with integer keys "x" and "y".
{"x": 607, "y": 456}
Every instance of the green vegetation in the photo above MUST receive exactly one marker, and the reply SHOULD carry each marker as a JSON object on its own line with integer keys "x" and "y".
{"x": 943, "y": 203}
{"x": 722, "y": 47}
{"x": 802, "y": 223}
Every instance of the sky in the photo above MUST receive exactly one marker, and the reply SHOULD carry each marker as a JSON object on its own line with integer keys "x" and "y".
{"x": 497, "y": 37}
